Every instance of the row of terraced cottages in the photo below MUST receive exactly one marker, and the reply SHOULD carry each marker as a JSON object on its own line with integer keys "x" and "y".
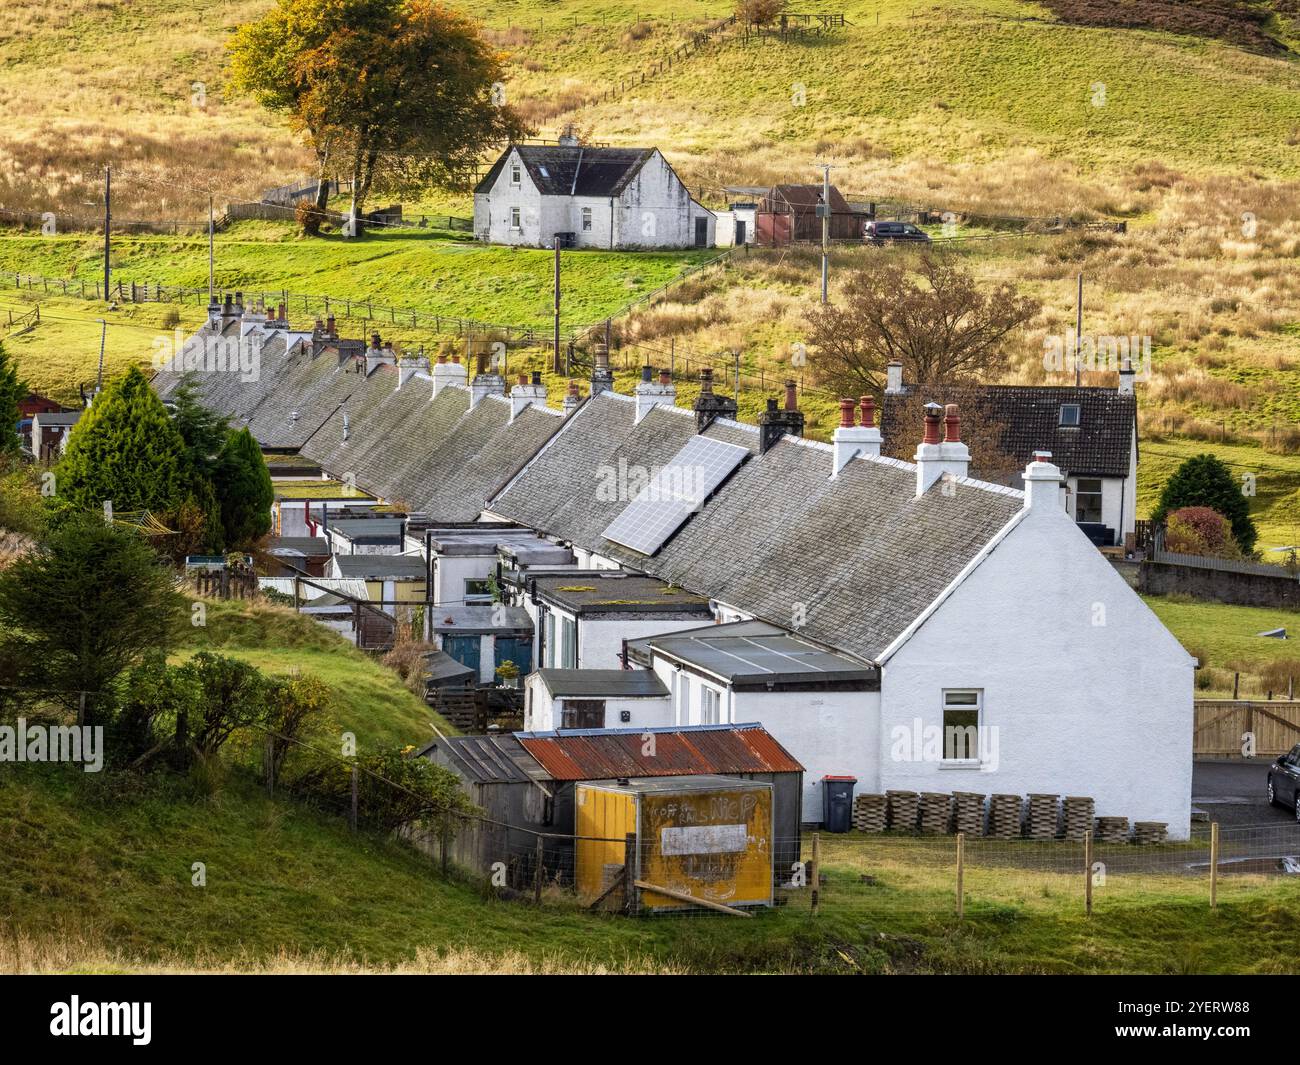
{"x": 645, "y": 565}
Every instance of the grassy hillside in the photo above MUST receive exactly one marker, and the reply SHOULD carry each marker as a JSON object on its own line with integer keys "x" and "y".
{"x": 369, "y": 699}
{"x": 95, "y": 878}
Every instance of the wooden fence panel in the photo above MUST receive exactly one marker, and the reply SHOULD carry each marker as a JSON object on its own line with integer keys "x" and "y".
{"x": 1221, "y": 726}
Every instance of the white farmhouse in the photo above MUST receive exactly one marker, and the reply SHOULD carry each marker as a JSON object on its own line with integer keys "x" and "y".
{"x": 588, "y": 197}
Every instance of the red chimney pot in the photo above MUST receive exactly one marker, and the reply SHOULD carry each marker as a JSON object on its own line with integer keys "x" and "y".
{"x": 931, "y": 424}
{"x": 868, "y": 407}
{"x": 846, "y": 413}
{"x": 791, "y": 396}
{"x": 951, "y": 425}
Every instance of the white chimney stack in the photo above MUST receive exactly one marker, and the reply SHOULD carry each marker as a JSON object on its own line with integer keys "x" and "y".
{"x": 378, "y": 354}
{"x": 409, "y": 367}
{"x": 485, "y": 383}
{"x": 894, "y": 378}
{"x": 448, "y": 373}
{"x": 851, "y": 440}
{"x": 527, "y": 393}
{"x": 651, "y": 394}
{"x": 1127, "y": 375}
{"x": 1043, "y": 483}
{"x": 937, "y": 458}
{"x": 571, "y": 399}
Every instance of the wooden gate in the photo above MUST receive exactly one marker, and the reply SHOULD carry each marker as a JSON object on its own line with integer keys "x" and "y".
{"x": 1222, "y": 725}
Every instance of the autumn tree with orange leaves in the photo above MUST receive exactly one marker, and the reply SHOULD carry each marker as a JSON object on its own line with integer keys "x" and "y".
{"x": 397, "y": 95}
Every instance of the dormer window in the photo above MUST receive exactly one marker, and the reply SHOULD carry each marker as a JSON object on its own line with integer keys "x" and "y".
{"x": 1070, "y": 414}
{"x": 516, "y": 175}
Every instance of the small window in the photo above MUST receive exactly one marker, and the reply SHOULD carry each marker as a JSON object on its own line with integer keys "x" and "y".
{"x": 477, "y": 592}
{"x": 708, "y": 706}
{"x": 961, "y": 722}
{"x": 1070, "y": 414}
{"x": 548, "y": 630}
{"x": 583, "y": 713}
{"x": 516, "y": 175}
{"x": 1087, "y": 500}
{"x": 568, "y": 657}
{"x": 515, "y": 222}
{"x": 586, "y": 219}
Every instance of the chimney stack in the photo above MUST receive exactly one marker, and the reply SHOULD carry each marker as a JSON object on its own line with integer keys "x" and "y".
{"x": 894, "y": 379}
{"x": 330, "y": 331}
{"x": 377, "y": 354}
{"x": 239, "y": 304}
{"x": 773, "y": 424}
{"x": 651, "y": 393}
{"x": 851, "y": 440}
{"x": 214, "y": 313}
{"x": 1043, "y": 484}
{"x": 571, "y": 399}
{"x": 709, "y": 407}
{"x": 487, "y": 382}
{"x": 527, "y": 393}
{"x": 937, "y": 458}
{"x": 1127, "y": 375}
{"x": 602, "y": 379}
{"x": 409, "y": 367}
{"x": 448, "y": 373}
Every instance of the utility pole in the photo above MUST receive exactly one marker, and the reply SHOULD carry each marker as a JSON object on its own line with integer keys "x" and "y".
{"x": 103, "y": 332}
{"x": 555, "y": 361}
{"x": 212, "y": 258}
{"x": 824, "y": 209}
{"x": 108, "y": 219}
{"x": 1078, "y": 331}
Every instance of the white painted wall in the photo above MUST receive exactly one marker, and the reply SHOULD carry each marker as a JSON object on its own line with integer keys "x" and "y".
{"x": 1090, "y": 694}
{"x": 655, "y": 210}
{"x": 600, "y": 642}
{"x": 452, "y": 571}
{"x": 542, "y": 713}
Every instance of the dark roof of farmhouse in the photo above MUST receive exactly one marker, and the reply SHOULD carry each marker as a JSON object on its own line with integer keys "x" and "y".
{"x": 578, "y": 170}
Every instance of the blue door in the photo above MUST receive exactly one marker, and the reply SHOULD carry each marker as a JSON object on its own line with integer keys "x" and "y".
{"x": 516, "y": 649}
{"x": 465, "y": 650}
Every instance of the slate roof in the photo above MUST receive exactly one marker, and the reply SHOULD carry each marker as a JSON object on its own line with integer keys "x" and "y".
{"x": 747, "y": 652}
{"x": 597, "y": 592}
{"x": 303, "y": 546}
{"x": 1100, "y": 445}
{"x": 553, "y": 168}
{"x": 434, "y": 454}
{"x": 858, "y": 557}
{"x": 684, "y": 750}
{"x": 603, "y": 683}
{"x": 381, "y": 567}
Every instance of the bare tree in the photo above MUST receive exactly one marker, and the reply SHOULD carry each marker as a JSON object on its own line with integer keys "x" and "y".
{"x": 759, "y": 12}
{"x": 936, "y": 322}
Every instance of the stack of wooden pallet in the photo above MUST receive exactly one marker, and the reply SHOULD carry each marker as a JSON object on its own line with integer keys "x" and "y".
{"x": 936, "y": 812}
{"x": 1112, "y": 829}
{"x": 1043, "y": 816}
{"x": 968, "y": 812}
{"x": 869, "y": 813}
{"x": 1078, "y": 811}
{"x": 903, "y": 807}
{"x": 1004, "y": 816}
{"x": 1150, "y": 831}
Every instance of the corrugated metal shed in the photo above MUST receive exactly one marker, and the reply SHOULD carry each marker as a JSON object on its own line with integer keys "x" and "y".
{"x": 610, "y": 754}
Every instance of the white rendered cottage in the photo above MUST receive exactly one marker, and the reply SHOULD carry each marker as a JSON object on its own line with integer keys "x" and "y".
{"x": 588, "y": 197}
{"x": 976, "y": 607}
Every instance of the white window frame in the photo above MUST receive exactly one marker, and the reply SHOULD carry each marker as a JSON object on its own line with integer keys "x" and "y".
{"x": 516, "y": 175}
{"x": 710, "y": 705}
{"x": 977, "y": 706}
{"x": 516, "y": 219}
{"x": 586, "y": 219}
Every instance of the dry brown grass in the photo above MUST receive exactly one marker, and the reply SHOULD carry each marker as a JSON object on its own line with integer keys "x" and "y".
{"x": 53, "y": 954}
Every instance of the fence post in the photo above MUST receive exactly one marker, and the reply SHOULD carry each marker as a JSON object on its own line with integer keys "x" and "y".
{"x": 961, "y": 875}
{"x": 537, "y": 875}
{"x": 1214, "y": 865}
{"x": 814, "y": 872}
{"x": 629, "y": 873}
{"x": 352, "y": 819}
{"x": 1087, "y": 872}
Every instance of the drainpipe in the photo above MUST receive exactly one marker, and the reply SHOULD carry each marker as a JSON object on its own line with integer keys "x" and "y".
{"x": 611, "y": 223}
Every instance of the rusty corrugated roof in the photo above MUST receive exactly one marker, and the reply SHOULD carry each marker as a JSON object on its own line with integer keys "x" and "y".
{"x": 607, "y": 754}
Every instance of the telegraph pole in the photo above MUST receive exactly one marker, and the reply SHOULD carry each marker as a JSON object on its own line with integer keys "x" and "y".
{"x": 108, "y": 218}
{"x": 103, "y": 335}
{"x": 555, "y": 361}
{"x": 212, "y": 258}
{"x": 824, "y": 209}
{"x": 1078, "y": 330}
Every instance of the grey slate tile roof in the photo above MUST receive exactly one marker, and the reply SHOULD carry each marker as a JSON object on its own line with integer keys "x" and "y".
{"x": 434, "y": 454}
{"x": 1030, "y": 417}
{"x": 381, "y": 567}
{"x": 603, "y": 683}
{"x": 858, "y": 557}
{"x": 553, "y": 168}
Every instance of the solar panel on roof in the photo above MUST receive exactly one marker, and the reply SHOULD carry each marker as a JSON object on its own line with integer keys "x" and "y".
{"x": 674, "y": 493}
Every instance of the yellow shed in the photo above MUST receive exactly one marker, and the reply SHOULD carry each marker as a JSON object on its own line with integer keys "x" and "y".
{"x": 708, "y": 837}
